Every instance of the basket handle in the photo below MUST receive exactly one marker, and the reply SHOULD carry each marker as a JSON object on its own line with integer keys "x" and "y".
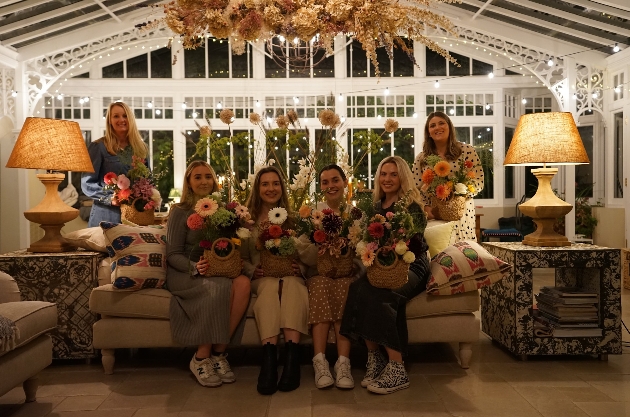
{"x": 229, "y": 255}
{"x": 392, "y": 266}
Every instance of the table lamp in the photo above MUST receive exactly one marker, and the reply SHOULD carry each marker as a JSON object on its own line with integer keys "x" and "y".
{"x": 53, "y": 145}
{"x": 546, "y": 139}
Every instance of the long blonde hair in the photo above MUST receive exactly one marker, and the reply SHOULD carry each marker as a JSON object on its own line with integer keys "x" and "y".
{"x": 135, "y": 140}
{"x": 254, "y": 202}
{"x": 453, "y": 148}
{"x": 407, "y": 183}
{"x": 189, "y": 199}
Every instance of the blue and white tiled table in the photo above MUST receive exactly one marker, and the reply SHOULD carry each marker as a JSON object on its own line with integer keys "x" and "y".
{"x": 506, "y": 305}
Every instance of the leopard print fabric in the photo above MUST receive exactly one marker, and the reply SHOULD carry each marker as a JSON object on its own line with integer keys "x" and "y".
{"x": 393, "y": 378}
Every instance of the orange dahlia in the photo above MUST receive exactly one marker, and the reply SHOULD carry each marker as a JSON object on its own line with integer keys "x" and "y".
{"x": 427, "y": 176}
{"x": 442, "y": 169}
{"x": 442, "y": 191}
{"x": 471, "y": 174}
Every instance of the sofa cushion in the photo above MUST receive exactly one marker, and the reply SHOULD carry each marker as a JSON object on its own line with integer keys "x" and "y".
{"x": 9, "y": 290}
{"x": 146, "y": 303}
{"x": 464, "y": 266}
{"x": 32, "y": 318}
{"x": 438, "y": 235}
{"x": 138, "y": 256}
{"x": 425, "y": 305}
{"x": 91, "y": 238}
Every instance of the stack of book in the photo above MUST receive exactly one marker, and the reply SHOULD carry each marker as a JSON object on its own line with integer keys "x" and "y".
{"x": 568, "y": 312}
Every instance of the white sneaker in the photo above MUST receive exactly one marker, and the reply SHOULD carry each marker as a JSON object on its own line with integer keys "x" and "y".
{"x": 222, "y": 368}
{"x": 323, "y": 377}
{"x": 204, "y": 372}
{"x": 343, "y": 377}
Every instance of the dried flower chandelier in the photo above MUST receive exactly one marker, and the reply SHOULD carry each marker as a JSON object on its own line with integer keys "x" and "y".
{"x": 374, "y": 23}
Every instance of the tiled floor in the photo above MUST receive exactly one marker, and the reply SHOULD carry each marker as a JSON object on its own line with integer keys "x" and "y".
{"x": 156, "y": 383}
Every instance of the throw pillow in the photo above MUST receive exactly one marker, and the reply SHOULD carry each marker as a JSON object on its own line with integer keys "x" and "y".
{"x": 464, "y": 266}
{"x": 138, "y": 256}
{"x": 91, "y": 238}
{"x": 438, "y": 235}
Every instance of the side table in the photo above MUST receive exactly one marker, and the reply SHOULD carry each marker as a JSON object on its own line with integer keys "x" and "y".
{"x": 505, "y": 305}
{"x": 66, "y": 279}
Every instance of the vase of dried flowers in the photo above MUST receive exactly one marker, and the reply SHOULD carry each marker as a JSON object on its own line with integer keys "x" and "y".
{"x": 452, "y": 209}
{"x": 224, "y": 259}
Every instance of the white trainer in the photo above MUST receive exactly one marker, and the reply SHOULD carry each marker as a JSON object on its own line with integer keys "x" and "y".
{"x": 323, "y": 377}
{"x": 343, "y": 377}
{"x": 222, "y": 368}
{"x": 204, "y": 372}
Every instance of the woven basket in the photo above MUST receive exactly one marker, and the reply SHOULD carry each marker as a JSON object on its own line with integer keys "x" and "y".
{"x": 228, "y": 266}
{"x": 390, "y": 276}
{"x": 452, "y": 209}
{"x": 335, "y": 267}
{"x": 141, "y": 218}
{"x": 275, "y": 265}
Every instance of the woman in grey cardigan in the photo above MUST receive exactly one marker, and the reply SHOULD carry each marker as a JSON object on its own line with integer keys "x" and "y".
{"x": 204, "y": 311}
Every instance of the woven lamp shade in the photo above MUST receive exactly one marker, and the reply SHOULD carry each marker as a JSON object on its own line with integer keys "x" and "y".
{"x": 546, "y": 138}
{"x": 50, "y": 144}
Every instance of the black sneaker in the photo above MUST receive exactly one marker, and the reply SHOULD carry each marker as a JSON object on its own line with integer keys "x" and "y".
{"x": 375, "y": 364}
{"x": 393, "y": 378}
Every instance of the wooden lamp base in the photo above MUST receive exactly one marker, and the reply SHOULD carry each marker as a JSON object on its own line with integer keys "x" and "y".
{"x": 544, "y": 208}
{"x": 51, "y": 214}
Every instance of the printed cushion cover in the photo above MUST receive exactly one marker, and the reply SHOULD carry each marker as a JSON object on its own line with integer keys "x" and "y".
{"x": 464, "y": 266}
{"x": 138, "y": 256}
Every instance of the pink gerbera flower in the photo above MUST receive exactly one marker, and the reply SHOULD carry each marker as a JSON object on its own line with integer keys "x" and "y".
{"x": 206, "y": 207}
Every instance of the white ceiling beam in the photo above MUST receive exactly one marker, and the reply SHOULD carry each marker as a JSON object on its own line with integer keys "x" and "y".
{"x": 8, "y": 2}
{"x": 8, "y": 57}
{"x": 71, "y": 22}
{"x": 598, "y": 7}
{"x": 619, "y": 4}
{"x": 577, "y": 18}
{"x": 543, "y": 23}
{"x": 481, "y": 9}
{"x": 519, "y": 36}
{"x": 116, "y": 18}
{"x": 39, "y": 18}
{"x": 16, "y": 7}
{"x": 83, "y": 35}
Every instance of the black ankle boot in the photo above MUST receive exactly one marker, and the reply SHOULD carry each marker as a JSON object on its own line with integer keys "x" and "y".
{"x": 290, "y": 378}
{"x": 268, "y": 378}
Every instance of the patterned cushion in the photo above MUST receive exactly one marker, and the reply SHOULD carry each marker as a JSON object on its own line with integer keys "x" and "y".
{"x": 464, "y": 266}
{"x": 138, "y": 256}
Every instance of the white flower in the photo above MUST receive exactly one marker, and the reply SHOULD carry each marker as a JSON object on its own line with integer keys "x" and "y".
{"x": 460, "y": 188}
{"x": 278, "y": 215}
{"x": 271, "y": 162}
{"x": 409, "y": 257}
{"x": 216, "y": 195}
{"x": 401, "y": 248}
{"x": 269, "y": 244}
{"x": 244, "y": 185}
{"x": 155, "y": 196}
{"x": 243, "y": 233}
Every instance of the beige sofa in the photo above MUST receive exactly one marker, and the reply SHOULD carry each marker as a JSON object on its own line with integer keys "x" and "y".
{"x": 32, "y": 350}
{"x": 140, "y": 320}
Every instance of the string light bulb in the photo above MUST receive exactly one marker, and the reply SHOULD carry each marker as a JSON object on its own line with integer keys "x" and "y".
{"x": 618, "y": 89}
{"x": 415, "y": 115}
{"x": 616, "y": 47}
{"x": 340, "y": 97}
{"x": 550, "y": 62}
{"x": 257, "y": 103}
{"x": 487, "y": 106}
{"x": 183, "y": 105}
{"x": 296, "y": 100}
{"x": 219, "y": 105}
{"x": 59, "y": 97}
{"x": 437, "y": 84}
{"x": 13, "y": 93}
{"x": 386, "y": 92}
{"x": 595, "y": 95}
{"x": 491, "y": 75}
{"x": 150, "y": 104}
{"x": 524, "y": 101}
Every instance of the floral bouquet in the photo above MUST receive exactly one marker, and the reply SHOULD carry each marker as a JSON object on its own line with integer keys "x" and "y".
{"x": 135, "y": 193}
{"x": 335, "y": 236}
{"x": 222, "y": 226}
{"x": 277, "y": 245}
{"x": 384, "y": 247}
{"x": 447, "y": 188}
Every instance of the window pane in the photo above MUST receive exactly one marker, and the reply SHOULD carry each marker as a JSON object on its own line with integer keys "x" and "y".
{"x": 356, "y": 60}
{"x": 325, "y": 67}
{"x": 435, "y": 63}
{"x": 403, "y": 64}
{"x": 138, "y": 67}
{"x": 618, "y": 154}
{"x": 242, "y": 143}
{"x": 161, "y": 64}
{"x": 195, "y": 62}
{"x": 481, "y": 68}
{"x": 163, "y": 162}
{"x": 114, "y": 71}
{"x": 240, "y": 63}
{"x": 403, "y": 144}
{"x": 384, "y": 63}
{"x": 218, "y": 58}
{"x": 463, "y": 61}
{"x": 584, "y": 173}
{"x": 274, "y": 68}
{"x": 482, "y": 142}
{"x": 509, "y": 171}
{"x": 382, "y": 153}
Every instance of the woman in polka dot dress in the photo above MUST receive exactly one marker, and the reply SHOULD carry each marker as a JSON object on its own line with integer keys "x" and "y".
{"x": 327, "y": 297}
{"x": 439, "y": 139}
